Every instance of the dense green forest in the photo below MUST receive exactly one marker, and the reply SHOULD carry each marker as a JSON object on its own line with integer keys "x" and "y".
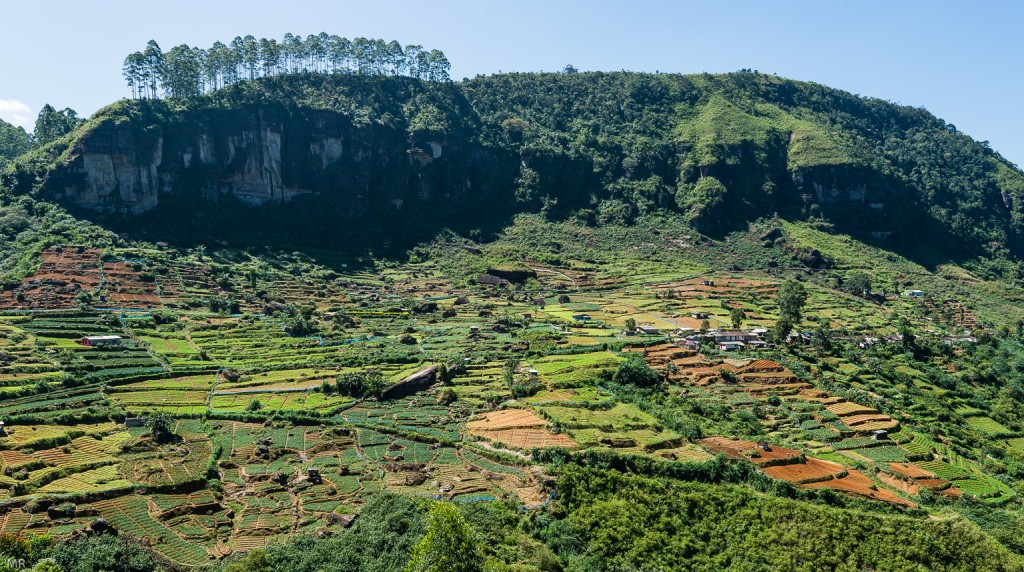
{"x": 13, "y": 141}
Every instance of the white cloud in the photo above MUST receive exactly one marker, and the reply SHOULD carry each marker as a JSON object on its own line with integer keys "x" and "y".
{"x": 16, "y": 112}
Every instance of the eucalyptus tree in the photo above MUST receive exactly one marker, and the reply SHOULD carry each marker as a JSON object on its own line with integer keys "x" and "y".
{"x": 340, "y": 54}
{"x": 153, "y": 58}
{"x": 182, "y": 71}
{"x": 249, "y": 56}
{"x": 214, "y": 65}
{"x": 270, "y": 56}
{"x": 187, "y": 71}
{"x": 132, "y": 69}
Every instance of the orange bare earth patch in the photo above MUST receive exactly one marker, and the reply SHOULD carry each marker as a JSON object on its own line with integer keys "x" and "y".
{"x": 518, "y": 428}
{"x": 506, "y": 419}
{"x": 64, "y": 274}
{"x": 763, "y": 365}
{"x": 911, "y": 471}
{"x": 811, "y": 471}
{"x": 737, "y": 449}
{"x": 857, "y": 483}
{"x": 785, "y": 464}
{"x": 527, "y": 438}
{"x": 909, "y": 487}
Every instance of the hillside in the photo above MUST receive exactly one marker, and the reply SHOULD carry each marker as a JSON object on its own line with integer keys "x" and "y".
{"x": 609, "y": 147}
{"x": 269, "y": 327}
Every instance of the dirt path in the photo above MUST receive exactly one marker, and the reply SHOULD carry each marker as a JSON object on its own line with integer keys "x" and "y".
{"x": 216, "y": 377}
{"x": 488, "y": 446}
{"x": 559, "y": 273}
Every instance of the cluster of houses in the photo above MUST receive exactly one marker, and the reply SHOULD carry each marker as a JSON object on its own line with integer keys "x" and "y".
{"x": 725, "y": 340}
{"x": 735, "y": 340}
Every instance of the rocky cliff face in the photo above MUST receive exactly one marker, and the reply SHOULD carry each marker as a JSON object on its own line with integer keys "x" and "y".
{"x": 272, "y": 155}
{"x": 113, "y": 171}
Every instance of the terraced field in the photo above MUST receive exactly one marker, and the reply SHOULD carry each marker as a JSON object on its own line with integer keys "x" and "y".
{"x": 270, "y": 437}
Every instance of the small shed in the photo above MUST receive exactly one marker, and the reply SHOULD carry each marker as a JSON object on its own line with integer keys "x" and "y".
{"x": 134, "y": 421}
{"x": 313, "y": 474}
{"x": 581, "y": 317}
{"x": 914, "y": 293}
{"x": 101, "y": 341}
{"x": 533, "y": 373}
{"x": 648, "y": 330}
{"x": 880, "y": 435}
{"x": 691, "y": 343}
{"x": 731, "y": 346}
{"x": 764, "y": 446}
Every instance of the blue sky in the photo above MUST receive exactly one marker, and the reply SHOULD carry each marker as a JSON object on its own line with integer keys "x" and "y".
{"x": 960, "y": 60}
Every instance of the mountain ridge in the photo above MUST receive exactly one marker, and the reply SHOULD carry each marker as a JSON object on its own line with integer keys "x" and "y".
{"x": 615, "y": 144}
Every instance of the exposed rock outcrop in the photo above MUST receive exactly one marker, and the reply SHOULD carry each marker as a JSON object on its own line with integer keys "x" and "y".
{"x": 268, "y": 154}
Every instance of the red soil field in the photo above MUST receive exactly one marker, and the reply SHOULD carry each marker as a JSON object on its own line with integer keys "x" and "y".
{"x": 737, "y": 449}
{"x": 527, "y": 438}
{"x": 506, "y": 419}
{"x": 518, "y": 428}
{"x": 857, "y": 483}
{"x": 911, "y": 471}
{"x": 64, "y": 274}
{"x": 812, "y": 470}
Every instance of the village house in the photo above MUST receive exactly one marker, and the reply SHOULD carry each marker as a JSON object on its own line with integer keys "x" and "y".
{"x": 959, "y": 340}
{"x": 799, "y": 338}
{"x": 734, "y": 336}
{"x": 581, "y": 317}
{"x": 862, "y": 342}
{"x": 101, "y": 341}
{"x": 913, "y": 293}
{"x": 648, "y": 330}
{"x": 731, "y": 346}
{"x": 690, "y": 342}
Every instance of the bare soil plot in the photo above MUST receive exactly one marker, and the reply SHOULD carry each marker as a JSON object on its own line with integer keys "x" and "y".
{"x": 911, "y": 471}
{"x": 506, "y": 419}
{"x": 857, "y": 483}
{"x": 62, "y": 275}
{"x": 813, "y": 470}
{"x": 849, "y": 408}
{"x": 527, "y": 438}
{"x": 737, "y": 449}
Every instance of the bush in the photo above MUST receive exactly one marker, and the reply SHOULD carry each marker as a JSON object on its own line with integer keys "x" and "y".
{"x": 635, "y": 371}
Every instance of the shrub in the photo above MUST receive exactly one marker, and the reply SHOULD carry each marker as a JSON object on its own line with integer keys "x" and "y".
{"x": 635, "y": 371}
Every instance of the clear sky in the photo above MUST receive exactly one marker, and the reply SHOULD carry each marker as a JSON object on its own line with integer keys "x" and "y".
{"x": 960, "y": 60}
